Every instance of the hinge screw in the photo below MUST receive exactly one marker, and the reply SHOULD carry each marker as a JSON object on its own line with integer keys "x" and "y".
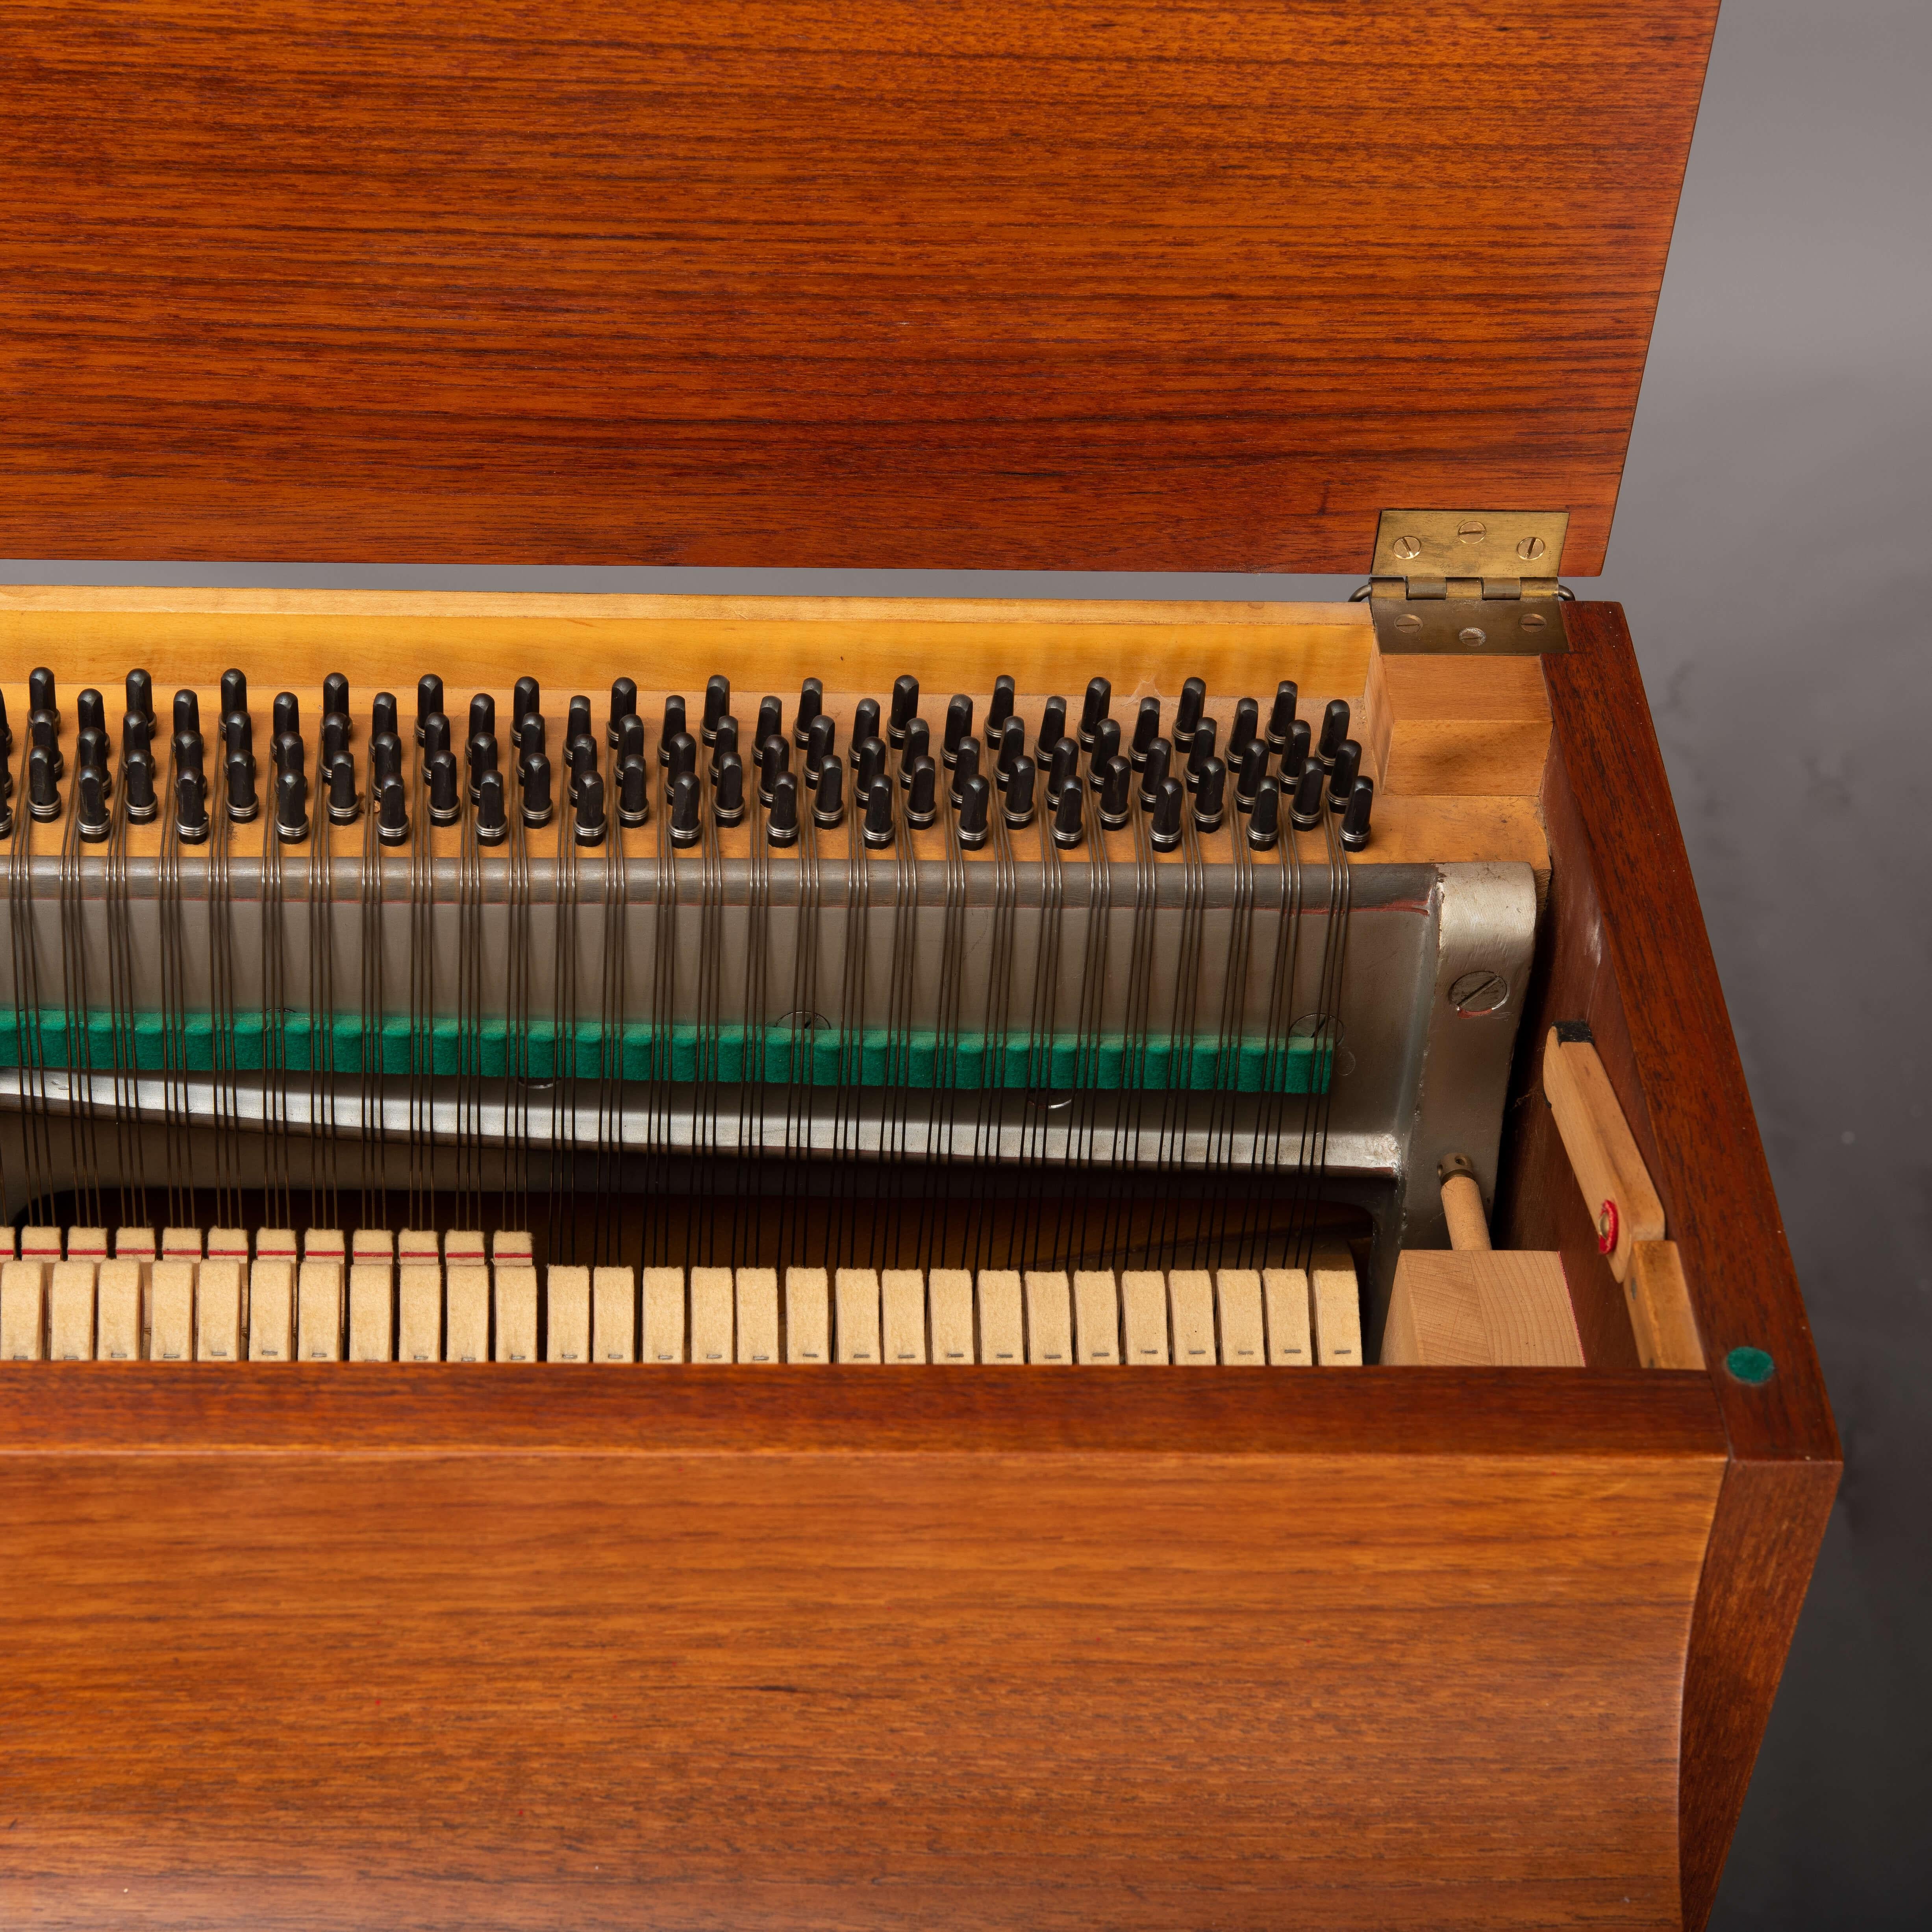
{"x": 1531, "y": 548}
{"x": 1408, "y": 548}
{"x": 1472, "y": 532}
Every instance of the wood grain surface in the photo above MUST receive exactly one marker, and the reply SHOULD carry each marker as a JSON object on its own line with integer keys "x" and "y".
{"x": 399, "y": 1647}
{"x": 1627, "y": 951}
{"x": 773, "y": 282}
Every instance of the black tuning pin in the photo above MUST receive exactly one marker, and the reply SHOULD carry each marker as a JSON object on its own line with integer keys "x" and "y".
{"x": 1343, "y": 773}
{"x": 998, "y": 710}
{"x": 1334, "y": 729}
{"x": 1105, "y": 748}
{"x": 188, "y": 713}
{"x": 288, "y": 715}
{"x": 289, "y": 754}
{"x": 582, "y": 753}
{"x": 383, "y": 716}
{"x": 6, "y": 790}
{"x": 243, "y": 801}
{"x": 42, "y": 694}
{"x": 481, "y": 754}
{"x": 1052, "y": 728}
{"x": 137, "y": 787}
{"x": 781, "y": 827}
{"x": 975, "y": 802}
{"x": 1147, "y": 729}
{"x": 336, "y": 734}
{"x": 429, "y": 701}
{"x": 922, "y": 795}
{"x": 445, "y": 805}
{"x": 674, "y": 727}
{"x": 717, "y": 703}
{"x": 868, "y": 762}
{"x": 44, "y": 800}
{"x": 1117, "y": 794}
{"x": 1012, "y": 750}
{"x": 1265, "y": 816}
{"x": 1281, "y": 718}
{"x": 140, "y": 700}
{"x": 728, "y": 807}
{"x": 345, "y": 807}
{"x": 1200, "y": 749}
{"x": 90, "y": 816}
{"x": 191, "y": 808}
{"x": 1092, "y": 709}
{"x": 1210, "y": 795}
{"x": 43, "y": 735}
{"x": 1069, "y": 817}
{"x": 187, "y": 752}
{"x": 634, "y": 792}
{"x": 291, "y": 808}
{"x": 392, "y": 812}
{"x": 1253, "y": 769}
{"x": 1019, "y": 791}
{"x": 436, "y": 735}
{"x": 1187, "y": 713}
{"x": 537, "y": 806}
{"x": 918, "y": 744}
{"x": 630, "y": 737}
{"x": 1154, "y": 770}
{"x": 1246, "y": 728}
{"x": 592, "y": 824}
{"x": 865, "y": 720}
{"x": 1164, "y": 832}
{"x": 1294, "y": 759}
{"x": 687, "y": 799}
{"x": 577, "y": 723}
{"x": 137, "y": 734}
{"x": 828, "y": 801}
{"x": 90, "y": 753}
{"x": 879, "y": 826}
{"x": 90, "y": 715}
{"x": 821, "y": 743}
{"x": 811, "y": 707}
{"x": 7, "y": 730}
{"x": 1064, "y": 769}
{"x": 958, "y": 730}
{"x": 680, "y": 755}
{"x": 526, "y": 697}
{"x": 774, "y": 761}
{"x": 1305, "y": 814}
{"x": 905, "y": 709}
{"x": 385, "y": 760}
{"x": 492, "y": 821}
{"x": 964, "y": 766}
{"x": 623, "y": 704}
{"x": 335, "y": 695}
{"x": 483, "y": 715}
{"x": 770, "y": 725}
{"x": 1355, "y": 819}
{"x": 531, "y": 741}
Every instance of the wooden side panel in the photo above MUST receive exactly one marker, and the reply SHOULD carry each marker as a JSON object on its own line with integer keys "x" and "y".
{"x": 932, "y": 1656}
{"x": 990, "y": 284}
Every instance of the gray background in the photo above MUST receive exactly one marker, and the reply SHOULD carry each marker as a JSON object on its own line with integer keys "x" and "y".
{"x": 1774, "y": 548}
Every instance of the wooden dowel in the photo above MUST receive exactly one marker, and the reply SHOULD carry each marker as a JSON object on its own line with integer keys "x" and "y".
{"x": 1462, "y": 1206}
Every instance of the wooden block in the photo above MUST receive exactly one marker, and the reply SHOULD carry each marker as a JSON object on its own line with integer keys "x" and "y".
{"x": 71, "y": 1310}
{"x": 419, "y": 1313}
{"x": 1049, "y": 1319}
{"x": 273, "y": 1244}
{"x": 118, "y": 1294}
{"x": 218, "y": 1328}
{"x": 1659, "y": 1305}
{"x": 613, "y": 1314}
{"x": 1190, "y": 1301}
{"x": 757, "y": 1314}
{"x": 466, "y": 1311}
{"x": 513, "y": 1245}
{"x": 1430, "y": 725}
{"x": 1144, "y": 1318}
{"x": 516, "y": 1312}
{"x": 713, "y": 1315}
{"x": 1284, "y": 1294}
{"x": 416, "y": 1245}
{"x": 326, "y": 1244}
{"x": 1097, "y": 1316}
{"x": 319, "y": 1311}
{"x": 180, "y": 1244}
{"x": 171, "y": 1312}
{"x": 373, "y": 1244}
{"x": 664, "y": 1315}
{"x": 371, "y": 1311}
{"x": 568, "y": 1337}
{"x": 463, "y": 1247}
{"x": 948, "y": 1293}
{"x": 1336, "y": 1317}
{"x": 1237, "y": 1296}
{"x": 271, "y": 1298}
{"x": 130, "y": 1244}
{"x": 808, "y": 1319}
{"x": 902, "y": 1307}
{"x": 1456, "y": 1308}
{"x": 855, "y": 1315}
{"x": 87, "y": 1244}
{"x": 40, "y": 1244}
{"x": 1002, "y": 1317}
{"x": 1616, "y": 1184}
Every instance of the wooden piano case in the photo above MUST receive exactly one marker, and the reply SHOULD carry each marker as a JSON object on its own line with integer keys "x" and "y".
{"x": 997, "y": 287}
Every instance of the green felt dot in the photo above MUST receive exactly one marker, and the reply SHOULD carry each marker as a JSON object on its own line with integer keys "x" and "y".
{"x": 1749, "y": 1365}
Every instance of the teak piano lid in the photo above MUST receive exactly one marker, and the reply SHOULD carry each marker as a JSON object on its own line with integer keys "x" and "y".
{"x": 1136, "y": 287}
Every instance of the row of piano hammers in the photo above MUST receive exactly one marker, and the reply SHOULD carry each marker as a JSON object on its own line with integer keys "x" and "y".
{"x": 409, "y": 1298}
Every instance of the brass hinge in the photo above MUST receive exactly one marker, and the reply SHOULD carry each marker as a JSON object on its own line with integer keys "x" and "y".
{"x": 1465, "y": 582}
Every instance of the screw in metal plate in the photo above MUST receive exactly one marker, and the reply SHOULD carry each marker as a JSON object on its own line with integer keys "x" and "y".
{"x": 1408, "y": 622}
{"x": 1407, "y": 548}
{"x": 1472, "y": 532}
{"x": 1481, "y": 992}
{"x": 1475, "y": 638}
{"x": 1531, "y": 548}
{"x": 1533, "y": 620}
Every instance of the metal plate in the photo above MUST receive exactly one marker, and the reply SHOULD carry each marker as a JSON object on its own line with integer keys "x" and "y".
{"x": 1470, "y": 543}
{"x": 1470, "y": 627}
